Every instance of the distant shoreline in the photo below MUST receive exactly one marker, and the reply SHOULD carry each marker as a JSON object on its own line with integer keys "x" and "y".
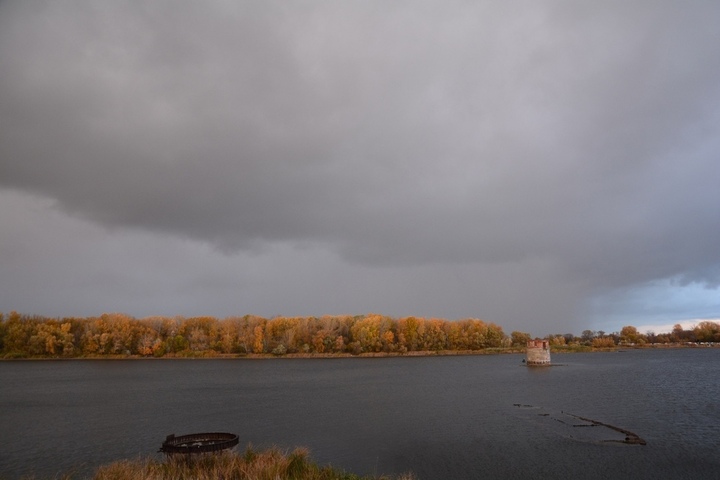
{"x": 117, "y": 335}
{"x": 270, "y": 356}
{"x": 557, "y": 350}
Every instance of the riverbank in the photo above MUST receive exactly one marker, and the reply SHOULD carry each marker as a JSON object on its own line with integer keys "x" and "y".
{"x": 557, "y": 349}
{"x": 372, "y": 335}
{"x": 259, "y": 356}
{"x": 271, "y": 464}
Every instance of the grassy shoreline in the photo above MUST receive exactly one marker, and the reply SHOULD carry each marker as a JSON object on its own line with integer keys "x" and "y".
{"x": 270, "y": 464}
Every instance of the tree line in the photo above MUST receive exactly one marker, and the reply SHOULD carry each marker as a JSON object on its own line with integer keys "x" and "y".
{"x": 116, "y": 334}
{"x": 122, "y": 335}
{"x": 703, "y": 332}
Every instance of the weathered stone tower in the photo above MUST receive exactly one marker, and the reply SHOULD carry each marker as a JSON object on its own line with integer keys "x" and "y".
{"x": 538, "y": 353}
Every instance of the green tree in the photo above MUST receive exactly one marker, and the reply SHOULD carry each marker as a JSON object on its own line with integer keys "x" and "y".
{"x": 495, "y": 336}
{"x": 176, "y": 344}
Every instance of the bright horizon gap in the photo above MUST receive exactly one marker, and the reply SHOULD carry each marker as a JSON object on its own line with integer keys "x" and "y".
{"x": 667, "y": 328}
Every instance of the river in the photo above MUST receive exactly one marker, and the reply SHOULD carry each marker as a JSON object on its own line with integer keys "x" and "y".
{"x": 463, "y": 417}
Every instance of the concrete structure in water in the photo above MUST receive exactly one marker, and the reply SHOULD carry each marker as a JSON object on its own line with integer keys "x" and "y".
{"x": 538, "y": 353}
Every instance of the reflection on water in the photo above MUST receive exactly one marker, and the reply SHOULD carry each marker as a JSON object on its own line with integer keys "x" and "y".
{"x": 440, "y": 417}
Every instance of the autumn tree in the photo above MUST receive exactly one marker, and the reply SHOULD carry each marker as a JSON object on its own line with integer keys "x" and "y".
{"x": 519, "y": 339}
{"x": 370, "y": 333}
{"x": 707, "y": 331}
{"x": 603, "y": 342}
{"x": 280, "y": 332}
{"x": 228, "y": 335}
{"x": 147, "y": 342}
{"x": 319, "y": 341}
{"x": 18, "y": 330}
{"x": 3, "y": 330}
{"x": 679, "y": 334}
{"x": 120, "y": 334}
{"x": 337, "y": 330}
{"x": 454, "y": 335}
{"x": 476, "y": 334}
{"x": 410, "y": 333}
{"x": 168, "y": 338}
{"x": 201, "y": 333}
{"x": 305, "y": 330}
{"x": 435, "y": 337}
{"x": 51, "y": 338}
{"x": 630, "y": 334}
{"x": 164, "y": 327}
{"x": 259, "y": 338}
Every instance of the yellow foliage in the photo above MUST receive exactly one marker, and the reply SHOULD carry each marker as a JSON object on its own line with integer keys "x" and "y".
{"x": 258, "y": 343}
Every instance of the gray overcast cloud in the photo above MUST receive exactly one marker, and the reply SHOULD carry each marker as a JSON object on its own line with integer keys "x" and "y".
{"x": 524, "y": 162}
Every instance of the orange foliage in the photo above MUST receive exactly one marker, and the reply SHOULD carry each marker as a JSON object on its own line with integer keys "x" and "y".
{"x": 120, "y": 334}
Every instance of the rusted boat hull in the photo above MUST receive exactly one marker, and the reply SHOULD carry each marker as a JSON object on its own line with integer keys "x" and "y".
{"x": 199, "y": 443}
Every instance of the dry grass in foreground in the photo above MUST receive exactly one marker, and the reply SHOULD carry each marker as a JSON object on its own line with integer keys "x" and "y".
{"x": 251, "y": 465}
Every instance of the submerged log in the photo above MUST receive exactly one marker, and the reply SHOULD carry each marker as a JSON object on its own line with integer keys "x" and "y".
{"x": 630, "y": 437}
{"x": 563, "y": 424}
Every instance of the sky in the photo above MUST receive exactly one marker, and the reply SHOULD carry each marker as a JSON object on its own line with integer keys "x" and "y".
{"x": 550, "y": 166}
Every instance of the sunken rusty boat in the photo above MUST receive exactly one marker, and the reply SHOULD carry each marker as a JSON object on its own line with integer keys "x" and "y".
{"x": 198, "y": 443}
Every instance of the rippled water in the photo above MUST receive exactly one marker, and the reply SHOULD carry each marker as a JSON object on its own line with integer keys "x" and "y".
{"x": 439, "y": 417}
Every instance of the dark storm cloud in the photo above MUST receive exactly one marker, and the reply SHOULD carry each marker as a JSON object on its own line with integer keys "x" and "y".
{"x": 579, "y": 137}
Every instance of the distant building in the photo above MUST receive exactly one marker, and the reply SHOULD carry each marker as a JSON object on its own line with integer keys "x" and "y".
{"x": 538, "y": 352}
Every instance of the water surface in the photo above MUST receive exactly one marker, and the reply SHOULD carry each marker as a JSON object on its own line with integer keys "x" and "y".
{"x": 440, "y": 417}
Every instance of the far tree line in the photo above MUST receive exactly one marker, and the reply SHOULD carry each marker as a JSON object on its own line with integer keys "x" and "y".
{"x": 703, "y": 332}
{"x": 116, "y": 334}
